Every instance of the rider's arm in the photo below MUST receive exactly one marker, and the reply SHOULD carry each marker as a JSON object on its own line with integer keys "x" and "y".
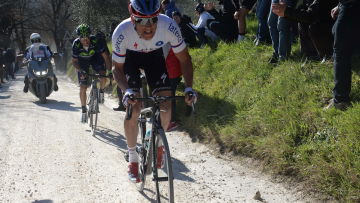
{"x": 76, "y": 64}
{"x": 107, "y": 61}
{"x": 119, "y": 75}
{"x": 186, "y": 66}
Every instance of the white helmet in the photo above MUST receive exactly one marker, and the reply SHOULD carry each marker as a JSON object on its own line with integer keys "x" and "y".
{"x": 4, "y": 52}
{"x": 34, "y": 36}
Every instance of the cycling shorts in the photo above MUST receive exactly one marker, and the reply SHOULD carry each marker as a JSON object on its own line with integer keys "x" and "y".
{"x": 248, "y": 4}
{"x": 97, "y": 64}
{"x": 154, "y": 66}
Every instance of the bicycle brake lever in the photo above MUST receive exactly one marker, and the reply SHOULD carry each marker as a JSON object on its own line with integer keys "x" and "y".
{"x": 129, "y": 109}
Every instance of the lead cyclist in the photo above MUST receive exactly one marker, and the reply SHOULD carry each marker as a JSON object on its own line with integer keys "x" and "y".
{"x": 139, "y": 42}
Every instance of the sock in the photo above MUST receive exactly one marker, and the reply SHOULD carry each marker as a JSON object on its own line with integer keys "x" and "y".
{"x": 102, "y": 90}
{"x": 133, "y": 157}
{"x": 241, "y": 37}
{"x": 83, "y": 109}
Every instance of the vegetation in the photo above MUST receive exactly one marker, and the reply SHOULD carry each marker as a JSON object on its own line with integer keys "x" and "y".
{"x": 275, "y": 114}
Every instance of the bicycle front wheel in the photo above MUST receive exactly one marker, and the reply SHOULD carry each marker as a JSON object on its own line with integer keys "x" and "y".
{"x": 142, "y": 158}
{"x": 95, "y": 111}
{"x": 164, "y": 180}
{"x": 90, "y": 104}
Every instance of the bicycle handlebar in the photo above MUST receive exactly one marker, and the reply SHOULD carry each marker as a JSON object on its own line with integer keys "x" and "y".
{"x": 158, "y": 99}
{"x": 100, "y": 76}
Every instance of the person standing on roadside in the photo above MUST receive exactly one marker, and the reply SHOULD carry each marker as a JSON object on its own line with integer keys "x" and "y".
{"x": 346, "y": 32}
{"x": 9, "y": 59}
{"x": 2, "y": 64}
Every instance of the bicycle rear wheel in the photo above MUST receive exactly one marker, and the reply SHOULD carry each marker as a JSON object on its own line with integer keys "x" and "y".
{"x": 95, "y": 111}
{"x": 164, "y": 182}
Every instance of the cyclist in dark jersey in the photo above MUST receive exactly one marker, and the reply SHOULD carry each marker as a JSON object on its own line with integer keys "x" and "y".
{"x": 87, "y": 50}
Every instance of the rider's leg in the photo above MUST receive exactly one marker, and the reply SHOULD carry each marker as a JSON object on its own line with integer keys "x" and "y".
{"x": 165, "y": 108}
{"x": 102, "y": 80}
{"x": 131, "y": 126}
{"x": 83, "y": 89}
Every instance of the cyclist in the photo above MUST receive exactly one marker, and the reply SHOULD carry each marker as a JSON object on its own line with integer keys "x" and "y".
{"x": 87, "y": 50}
{"x": 37, "y": 49}
{"x": 138, "y": 42}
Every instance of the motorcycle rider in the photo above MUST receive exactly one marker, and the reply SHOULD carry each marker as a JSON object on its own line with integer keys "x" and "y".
{"x": 87, "y": 50}
{"x": 38, "y": 50}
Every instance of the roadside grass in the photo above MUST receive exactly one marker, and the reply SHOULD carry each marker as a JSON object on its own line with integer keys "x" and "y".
{"x": 275, "y": 114}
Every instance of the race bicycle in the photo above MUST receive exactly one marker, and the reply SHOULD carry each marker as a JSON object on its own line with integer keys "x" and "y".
{"x": 92, "y": 101}
{"x": 153, "y": 145}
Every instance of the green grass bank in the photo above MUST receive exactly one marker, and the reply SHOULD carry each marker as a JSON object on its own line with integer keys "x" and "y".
{"x": 275, "y": 114}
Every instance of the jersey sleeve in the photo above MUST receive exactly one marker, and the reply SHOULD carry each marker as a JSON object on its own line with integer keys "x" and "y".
{"x": 119, "y": 43}
{"x": 174, "y": 36}
{"x": 75, "y": 49}
{"x": 98, "y": 45}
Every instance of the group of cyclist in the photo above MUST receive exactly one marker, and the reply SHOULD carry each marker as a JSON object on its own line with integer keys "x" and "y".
{"x": 139, "y": 42}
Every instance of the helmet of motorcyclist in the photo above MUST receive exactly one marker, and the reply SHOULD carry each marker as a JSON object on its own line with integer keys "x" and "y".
{"x": 83, "y": 30}
{"x": 200, "y": 8}
{"x": 144, "y": 8}
{"x": 35, "y": 37}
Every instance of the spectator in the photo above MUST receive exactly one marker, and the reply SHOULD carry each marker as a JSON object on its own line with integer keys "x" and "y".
{"x": 240, "y": 16}
{"x": 315, "y": 23}
{"x": 9, "y": 58}
{"x": 112, "y": 28}
{"x": 201, "y": 28}
{"x": 169, "y": 7}
{"x": 101, "y": 36}
{"x": 224, "y": 25}
{"x": 262, "y": 13}
{"x": 186, "y": 31}
{"x": 2, "y": 64}
{"x": 280, "y": 31}
{"x": 173, "y": 67}
{"x": 64, "y": 57}
{"x": 346, "y": 32}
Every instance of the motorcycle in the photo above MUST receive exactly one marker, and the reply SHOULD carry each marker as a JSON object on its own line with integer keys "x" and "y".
{"x": 41, "y": 78}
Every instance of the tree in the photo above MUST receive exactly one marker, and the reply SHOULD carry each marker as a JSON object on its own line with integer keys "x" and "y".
{"x": 54, "y": 15}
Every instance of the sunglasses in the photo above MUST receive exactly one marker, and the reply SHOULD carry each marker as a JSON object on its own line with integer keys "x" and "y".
{"x": 144, "y": 21}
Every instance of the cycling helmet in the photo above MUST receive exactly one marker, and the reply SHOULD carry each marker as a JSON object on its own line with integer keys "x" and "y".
{"x": 144, "y": 8}
{"x": 200, "y": 8}
{"x": 35, "y": 37}
{"x": 83, "y": 30}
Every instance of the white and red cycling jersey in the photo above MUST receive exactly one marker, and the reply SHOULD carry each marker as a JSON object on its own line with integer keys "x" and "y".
{"x": 125, "y": 37}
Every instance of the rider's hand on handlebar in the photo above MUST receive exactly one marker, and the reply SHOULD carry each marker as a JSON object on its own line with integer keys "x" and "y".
{"x": 83, "y": 74}
{"x": 111, "y": 77}
{"x": 126, "y": 98}
{"x": 193, "y": 98}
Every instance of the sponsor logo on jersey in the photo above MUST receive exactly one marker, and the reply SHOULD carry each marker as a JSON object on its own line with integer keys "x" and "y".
{"x": 159, "y": 43}
{"x": 135, "y": 45}
{"x": 89, "y": 54}
{"x": 175, "y": 31}
{"x": 118, "y": 43}
{"x": 77, "y": 45}
{"x": 95, "y": 40}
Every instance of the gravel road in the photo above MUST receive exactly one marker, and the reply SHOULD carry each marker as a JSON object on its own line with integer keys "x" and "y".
{"x": 47, "y": 155}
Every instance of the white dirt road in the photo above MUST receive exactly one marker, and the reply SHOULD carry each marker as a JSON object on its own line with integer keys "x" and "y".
{"x": 47, "y": 155}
